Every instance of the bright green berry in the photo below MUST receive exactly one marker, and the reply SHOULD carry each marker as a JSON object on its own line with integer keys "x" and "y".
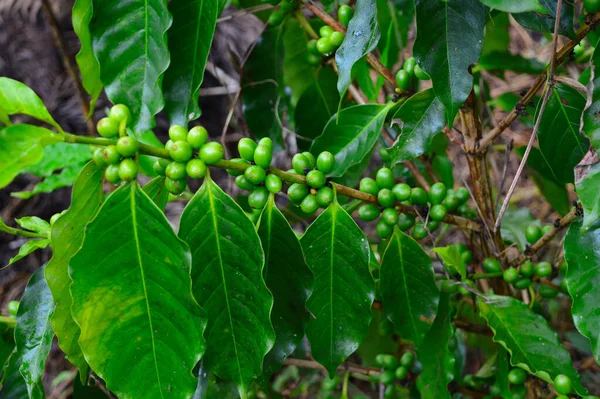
{"x": 390, "y": 216}
{"x": 315, "y": 178}
{"x": 325, "y": 31}
{"x": 385, "y": 178}
{"x": 387, "y": 377}
{"x": 345, "y": 14}
{"x": 258, "y": 198}
{"x": 196, "y": 169}
{"x": 273, "y": 184}
{"x": 403, "y": 79}
{"x": 401, "y": 373}
{"x": 563, "y": 384}
{"x": 401, "y": 191}
{"x": 438, "y": 212}
{"x": 420, "y": 73}
{"x": 119, "y": 113}
{"x": 176, "y": 171}
{"x": 368, "y": 185}
{"x": 160, "y": 166}
{"x": 325, "y": 162}
{"x": 409, "y": 65}
{"x": 112, "y": 174}
{"x": 180, "y": 151}
{"x": 533, "y": 233}
{"x": 384, "y": 154}
{"x": 325, "y": 196}
{"x": 255, "y": 174}
{"x": 517, "y": 376}
{"x": 449, "y": 286}
{"x": 451, "y": 202}
{"x": 522, "y": 283}
{"x": 546, "y": 229}
{"x": 407, "y": 359}
{"x": 178, "y": 133}
{"x": 128, "y": 169}
{"x": 329, "y": 384}
{"x": 309, "y": 204}
{"x": 311, "y": 159}
{"x": 526, "y": 268}
{"x": 491, "y": 265}
{"x": 433, "y": 225}
{"x": 368, "y": 212}
{"x": 267, "y": 142}
{"x": 110, "y": 155}
{"x": 263, "y": 155}
{"x": 462, "y": 195}
{"x": 325, "y": 46}
{"x": 405, "y": 221}
{"x": 107, "y": 127}
{"x": 212, "y": 152}
{"x": 127, "y": 146}
{"x": 168, "y": 145}
{"x": 591, "y": 6}
{"x": 175, "y": 187}
{"x": 243, "y": 183}
{"x": 467, "y": 256}
{"x": 197, "y": 137}
{"x": 337, "y": 38}
{"x": 383, "y": 229}
{"x": 13, "y": 308}
{"x": 287, "y": 6}
{"x": 548, "y": 292}
{"x": 313, "y": 59}
{"x": 300, "y": 164}
{"x": 311, "y": 47}
{"x": 418, "y": 196}
{"x": 510, "y": 275}
{"x": 437, "y": 193}
{"x": 386, "y": 198}
{"x": 296, "y": 192}
{"x": 97, "y": 157}
{"x": 246, "y": 148}
{"x": 276, "y": 18}
{"x": 543, "y": 269}
{"x": 419, "y": 231}
{"x": 390, "y": 361}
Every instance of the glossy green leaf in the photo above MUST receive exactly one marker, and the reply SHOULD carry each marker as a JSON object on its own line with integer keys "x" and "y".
{"x": 158, "y": 193}
{"x": 227, "y": 280}
{"x": 17, "y": 98}
{"x": 394, "y": 18}
{"x": 290, "y": 281}
{"x": 449, "y": 40}
{"x": 560, "y": 142}
{"x": 587, "y": 189}
{"x": 505, "y": 61}
{"x": 497, "y": 34}
{"x": 337, "y": 252}
{"x": 316, "y": 106}
{"x": 66, "y": 239}
{"x": 408, "y": 291}
{"x": 351, "y": 135}
{"x": 545, "y": 22}
{"x": 435, "y": 356}
{"x": 262, "y": 86}
{"x": 582, "y": 278}
{"x": 33, "y": 334}
{"x": 361, "y": 38}
{"x": 190, "y": 38}
{"x": 65, "y": 178}
{"x": 7, "y": 345}
{"x": 28, "y": 248}
{"x": 591, "y": 116}
{"x": 501, "y": 373}
{"x": 129, "y": 42}
{"x": 132, "y": 296}
{"x": 362, "y": 74}
{"x": 515, "y": 6}
{"x": 22, "y": 146}
{"x": 298, "y": 74}
{"x": 13, "y": 384}
{"x": 86, "y": 60}
{"x": 422, "y": 118}
{"x": 532, "y": 344}
{"x": 34, "y": 223}
{"x": 453, "y": 261}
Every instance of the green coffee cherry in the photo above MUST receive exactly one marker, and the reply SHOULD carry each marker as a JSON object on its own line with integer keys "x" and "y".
{"x": 128, "y": 169}
{"x": 325, "y": 162}
{"x": 119, "y": 113}
{"x": 286, "y": 6}
{"x": 309, "y": 204}
{"x": 563, "y": 384}
{"x": 450, "y": 202}
{"x": 168, "y": 145}
{"x": 325, "y": 46}
{"x": 383, "y": 229}
{"x": 97, "y": 157}
{"x": 385, "y": 178}
{"x": 533, "y": 233}
{"x": 491, "y": 265}
{"x": 178, "y": 133}
{"x": 409, "y": 65}
{"x": 325, "y": 31}
{"x": 510, "y": 275}
{"x": 407, "y": 359}
{"x": 368, "y": 185}
{"x": 419, "y": 231}
{"x": 196, "y": 169}
{"x": 420, "y": 73}
{"x": 418, "y": 196}
{"x": 546, "y": 229}
{"x": 438, "y": 212}
{"x": 112, "y": 174}
{"x": 263, "y": 155}
{"x": 386, "y": 198}
{"x": 13, "y": 308}
{"x": 384, "y": 154}
{"x": 246, "y": 148}
{"x": 175, "y": 187}
{"x": 345, "y": 14}
{"x": 255, "y": 174}
{"x": 390, "y": 216}
{"x": 313, "y": 59}
{"x": 127, "y": 146}
{"x": 403, "y": 79}
{"x": 462, "y": 195}
{"x": 273, "y": 184}
{"x": 258, "y": 198}
{"x": 401, "y": 373}
{"x": 337, "y": 38}
{"x": 176, "y": 171}
{"x": 522, "y": 283}
{"x": 296, "y": 192}
{"x": 405, "y": 221}
{"x": 276, "y": 18}
{"x": 311, "y": 159}
{"x": 160, "y": 166}
{"x": 212, "y": 152}
{"x": 526, "y": 268}
{"x": 267, "y": 142}
{"x": 243, "y": 183}
{"x": 300, "y": 163}
{"x": 548, "y": 292}
{"x": 325, "y": 196}
{"x": 517, "y": 376}
{"x": 315, "y": 178}
{"x": 107, "y": 127}
{"x": 311, "y": 48}
{"x": 433, "y": 225}
{"x": 197, "y": 137}
{"x": 449, "y": 286}
{"x": 543, "y": 269}
{"x": 401, "y": 191}
{"x": 368, "y": 212}
{"x": 110, "y": 155}
{"x": 180, "y": 151}
{"x": 390, "y": 362}
{"x": 437, "y": 193}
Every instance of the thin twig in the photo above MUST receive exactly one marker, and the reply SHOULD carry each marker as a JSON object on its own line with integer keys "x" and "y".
{"x": 546, "y": 96}
{"x": 507, "y": 152}
{"x": 353, "y": 368}
{"x": 246, "y": 11}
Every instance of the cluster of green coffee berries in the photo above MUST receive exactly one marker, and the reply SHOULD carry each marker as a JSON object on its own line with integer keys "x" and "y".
{"x": 410, "y": 68}
{"x": 278, "y": 15}
{"x": 521, "y": 277}
{"x": 327, "y": 43}
{"x": 256, "y": 178}
{"x": 533, "y": 233}
{"x": 440, "y": 199}
{"x": 190, "y": 152}
{"x": 394, "y": 370}
{"x": 316, "y": 192}
{"x": 119, "y": 158}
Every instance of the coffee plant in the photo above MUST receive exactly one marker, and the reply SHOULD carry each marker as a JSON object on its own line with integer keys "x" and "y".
{"x": 368, "y": 239}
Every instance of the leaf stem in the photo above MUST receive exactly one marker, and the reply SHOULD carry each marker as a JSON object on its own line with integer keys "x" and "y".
{"x": 21, "y": 233}
{"x": 305, "y": 24}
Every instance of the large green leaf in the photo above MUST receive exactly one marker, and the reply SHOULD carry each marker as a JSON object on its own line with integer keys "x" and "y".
{"x": 228, "y": 261}
{"x": 66, "y": 239}
{"x": 17, "y": 98}
{"x": 394, "y": 18}
{"x": 449, "y": 40}
{"x": 298, "y": 74}
{"x": 587, "y": 189}
{"x": 13, "y": 384}
{"x": 545, "y": 22}
{"x": 7, "y": 345}
{"x": 561, "y": 144}
{"x": 434, "y": 355}
{"x": 262, "y": 86}
{"x": 515, "y": 6}
{"x": 591, "y": 116}
{"x": 33, "y": 334}
{"x": 132, "y": 297}
{"x": 190, "y": 38}
{"x": 289, "y": 280}
{"x": 22, "y": 146}
{"x": 351, "y": 135}
{"x": 497, "y": 34}
{"x": 156, "y": 190}
{"x": 452, "y": 259}
{"x": 583, "y": 281}
{"x": 129, "y": 42}
{"x": 337, "y": 252}
{"x": 408, "y": 291}
{"x": 317, "y": 105}
{"x": 423, "y": 117}
{"x": 532, "y": 344}
{"x": 28, "y": 248}
{"x": 86, "y": 60}
{"x": 361, "y": 38}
